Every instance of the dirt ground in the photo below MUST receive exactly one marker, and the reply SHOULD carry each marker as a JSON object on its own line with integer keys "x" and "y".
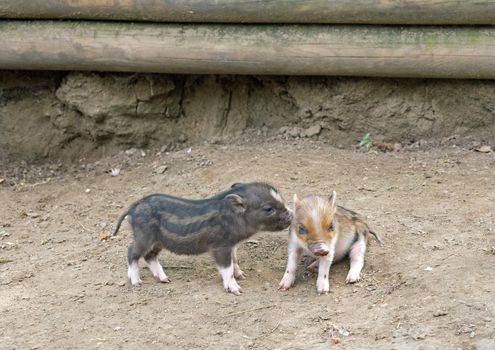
{"x": 430, "y": 287}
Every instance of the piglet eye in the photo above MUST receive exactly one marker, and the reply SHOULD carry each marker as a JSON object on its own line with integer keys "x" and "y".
{"x": 268, "y": 210}
{"x": 303, "y": 230}
{"x": 331, "y": 226}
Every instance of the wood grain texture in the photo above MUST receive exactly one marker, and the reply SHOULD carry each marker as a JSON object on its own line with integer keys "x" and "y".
{"x": 375, "y": 51}
{"x": 259, "y": 11}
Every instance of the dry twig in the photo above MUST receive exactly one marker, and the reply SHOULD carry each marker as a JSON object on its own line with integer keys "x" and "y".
{"x": 250, "y": 310}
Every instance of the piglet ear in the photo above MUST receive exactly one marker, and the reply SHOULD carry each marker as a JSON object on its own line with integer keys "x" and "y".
{"x": 332, "y": 199}
{"x": 296, "y": 204}
{"x": 237, "y": 203}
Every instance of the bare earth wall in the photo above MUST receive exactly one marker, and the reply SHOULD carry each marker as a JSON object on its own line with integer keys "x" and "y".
{"x": 72, "y": 114}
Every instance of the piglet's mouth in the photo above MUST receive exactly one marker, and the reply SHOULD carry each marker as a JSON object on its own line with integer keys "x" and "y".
{"x": 319, "y": 249}
{"x": 283, "y": 225}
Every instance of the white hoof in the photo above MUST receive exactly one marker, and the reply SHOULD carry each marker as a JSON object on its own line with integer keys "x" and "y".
{"x": 286, "y": 282}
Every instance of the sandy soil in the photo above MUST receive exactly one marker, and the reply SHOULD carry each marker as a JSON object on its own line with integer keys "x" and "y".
{"x": 430, "y": 287}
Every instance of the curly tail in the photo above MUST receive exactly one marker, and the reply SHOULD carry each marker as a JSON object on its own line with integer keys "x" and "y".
{"x": 378, "y": 239}
{"x": 119, "y": 222}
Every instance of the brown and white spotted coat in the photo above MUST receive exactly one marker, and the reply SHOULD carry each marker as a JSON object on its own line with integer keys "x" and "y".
{"x": 329, "y": 233}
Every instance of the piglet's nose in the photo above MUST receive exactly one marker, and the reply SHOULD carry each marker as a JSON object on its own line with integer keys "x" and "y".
{"x": 319, "y": 248}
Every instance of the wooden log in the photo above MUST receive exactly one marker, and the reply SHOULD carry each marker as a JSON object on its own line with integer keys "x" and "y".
{"x": 255, "y": 11}
{"x": 375, "y": 51}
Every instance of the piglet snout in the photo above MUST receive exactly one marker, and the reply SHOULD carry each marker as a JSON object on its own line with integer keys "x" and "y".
{"x": 319, "y": 248}
{"x": 285, "y": 220}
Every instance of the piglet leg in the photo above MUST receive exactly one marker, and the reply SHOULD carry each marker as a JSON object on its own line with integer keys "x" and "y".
{"x": 155, "y": 266}
{"x": 238, "y": 273}
{"x": 133, "y": 273}
{"x": 290, "y": 272}
{"x": 313, "y": 267}
{"x": 225, "y": 265}
{"x": 323, "y": 282}
{"x": 157, "y": 270}
{"x": 356, "y": 254}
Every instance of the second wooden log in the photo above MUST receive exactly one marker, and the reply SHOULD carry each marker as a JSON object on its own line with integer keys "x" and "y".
{"x": 375, "y": 51}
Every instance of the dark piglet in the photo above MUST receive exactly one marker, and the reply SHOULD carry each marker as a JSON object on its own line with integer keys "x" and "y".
{"x": 215, "y": 224}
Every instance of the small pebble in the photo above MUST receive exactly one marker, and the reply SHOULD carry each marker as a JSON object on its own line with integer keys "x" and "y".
{"x": 440, "y": 313}
{"x": 160, "y": 169}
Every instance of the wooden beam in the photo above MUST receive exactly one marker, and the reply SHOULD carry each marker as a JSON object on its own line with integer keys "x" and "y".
{"x": 256, "y": 11}
{"x": 375, "y": 51}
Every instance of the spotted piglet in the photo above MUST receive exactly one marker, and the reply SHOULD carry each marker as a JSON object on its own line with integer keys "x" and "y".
{"x": 329, "y": 233}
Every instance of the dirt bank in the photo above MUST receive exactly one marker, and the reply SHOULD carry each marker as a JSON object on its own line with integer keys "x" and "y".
{"x": 67, "y": 115}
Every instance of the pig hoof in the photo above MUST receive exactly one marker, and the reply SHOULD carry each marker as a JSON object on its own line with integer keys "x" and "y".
{"x": 322, "y": 291}
{"x": 137, "y": 283}
{"x": 164, "y": 280}
{"x": 233, "y": 287}
{"x": 240, "y": 275}
{"x": 322, "y": 286}
{"x": 352, "y": 279}
{"x": 236, "y": 291}
{"x": 286, "y": 283}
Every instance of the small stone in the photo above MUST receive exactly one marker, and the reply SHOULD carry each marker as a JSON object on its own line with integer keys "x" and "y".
{"x": 2, "y": 181}
{"x": 161, "y": 169}
{"x": 166, "y": 148}
{"x": 253, "y": 242}
{"x": 440, "y": 313}
{"x": 215, "y": 140}
{"x": 87, "y": 190}
{"x": 131, "y": 151}
{"x": 105, "y": 235}
{"x": 428, "y": 268}
{"x": 182, "y": 138}
{"x": 465, "y": 328}
{"x": 312, "y": 131}
{"x": 484, "y": 149}
{"x": 33, "y": 215}
{"x": 294, "y": 132}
